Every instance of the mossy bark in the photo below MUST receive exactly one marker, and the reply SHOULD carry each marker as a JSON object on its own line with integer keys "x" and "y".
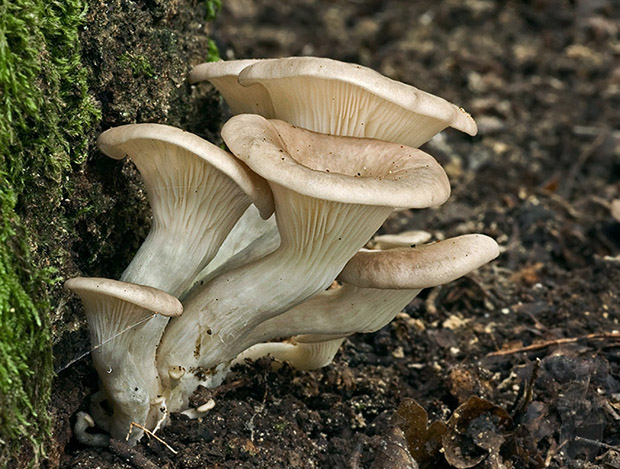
{"x": 69, "y": 69}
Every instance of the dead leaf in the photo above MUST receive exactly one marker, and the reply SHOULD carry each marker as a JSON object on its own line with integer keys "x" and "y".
{"x": 394, "y": 452}
{"x": 476, "y": 431}
{"x": 423, "y": 440}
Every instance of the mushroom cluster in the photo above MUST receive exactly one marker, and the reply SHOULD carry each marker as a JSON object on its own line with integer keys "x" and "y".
{"x": 246, "y": 244}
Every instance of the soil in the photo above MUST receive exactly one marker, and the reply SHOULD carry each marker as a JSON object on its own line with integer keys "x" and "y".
{"x": 516, "y": 365}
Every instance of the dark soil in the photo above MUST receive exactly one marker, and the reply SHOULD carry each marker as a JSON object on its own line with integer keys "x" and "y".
{"x": 519, "y": 363}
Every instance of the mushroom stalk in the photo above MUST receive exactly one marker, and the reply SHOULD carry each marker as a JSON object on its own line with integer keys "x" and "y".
{"x": 119, "y": 318}
{"x": 173, "y": 253}
{"x": 339, "y": 312}
{"x": 318, "y": 238}
{"x": 252, "y": 237}
{"x": 315, "y": 246}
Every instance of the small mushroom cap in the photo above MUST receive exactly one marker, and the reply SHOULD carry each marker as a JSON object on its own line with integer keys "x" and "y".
{"x": 241, "y": 99}
{"x": 145, "y": 297}
{"x": 222, "y": 68}
{"x": 341, "y": 169}
{"x": 420, "y": 267}
{"x": 118, "y": 142}
{"x": 302, "y": 74}
{"x": 403, "y": 239}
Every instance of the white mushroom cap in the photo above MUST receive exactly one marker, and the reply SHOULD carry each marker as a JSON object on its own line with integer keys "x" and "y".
{"x": 420, "y": 267}
{"x": 241, "y": 99}
{"x": 197, "y": 192}
{"x": 150, "y": 299}
{"x": 338, "y": 98}
{"x": 400, "y": 240}
{"x": 342, "y": 169}
{"x": 125, "y": 328}
{"x": 140, "y": 141}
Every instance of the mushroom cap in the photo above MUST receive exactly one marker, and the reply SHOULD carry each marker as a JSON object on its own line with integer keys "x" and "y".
{"x": 117, "y": 142}
{"x": 383, "y": 108}
{"x": 222, "y": 68}
{"x": 145, "y": 297}
{"x": 241, "y": 99}
{"x": 341, "y": 169}
{"x": 420, "y": 267}
{"x": 402, "y": 239}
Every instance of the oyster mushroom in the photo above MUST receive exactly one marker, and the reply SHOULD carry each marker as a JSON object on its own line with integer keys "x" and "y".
{"x": 377, "y": 285}
{"x": 331, "y": 194}
{"x": 119, "y": 316}
{"x": 335, "y": 98}
{"x": 197, "y": 192}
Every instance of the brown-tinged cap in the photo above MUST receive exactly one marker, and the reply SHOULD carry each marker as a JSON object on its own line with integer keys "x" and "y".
{"x": 420, "y": 267}
{"x": 145, "y": 297}
{"x": 342, "y": 169}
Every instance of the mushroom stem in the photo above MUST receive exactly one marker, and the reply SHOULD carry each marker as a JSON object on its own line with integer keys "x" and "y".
{"x": 174, "y": 253}
{"x": 250, "y": 228}
{"x": 120, "y": 319}
{"x": 321, "y": 324}
{"x": 318, "y": 237}
{"x": 339, "y": 312}
{"x": 300, "y": 355}
{"x": 314, "y": 247}
{"x": 267, "y": 243}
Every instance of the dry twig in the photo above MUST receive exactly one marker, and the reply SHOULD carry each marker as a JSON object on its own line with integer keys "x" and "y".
{"x": 130, "y": 455}
{"x": 150, "y": 433}
{"x": 548, "y": 343}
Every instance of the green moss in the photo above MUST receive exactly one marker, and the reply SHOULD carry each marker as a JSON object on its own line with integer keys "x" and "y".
{"x": 138, "y": 64}
{"x": 45, "y": 118}
{"x": 213, "y": 6}
{"x": 213, "y": 53}
{"x": 61, "y": 215}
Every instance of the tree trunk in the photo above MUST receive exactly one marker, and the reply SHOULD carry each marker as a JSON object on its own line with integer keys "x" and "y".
{"x": 68, "y": 70}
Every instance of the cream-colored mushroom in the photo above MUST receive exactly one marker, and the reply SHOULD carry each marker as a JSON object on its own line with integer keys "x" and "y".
{"x": 241, "y": 99}
{"x": 197, "y": 193}
{"x": 400, "y": 240}
{"x": 336, "y": 98}
{"x": 119, "y": 316}
{"x": 331, "y": 194}
{"x": 377, "y": 285}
